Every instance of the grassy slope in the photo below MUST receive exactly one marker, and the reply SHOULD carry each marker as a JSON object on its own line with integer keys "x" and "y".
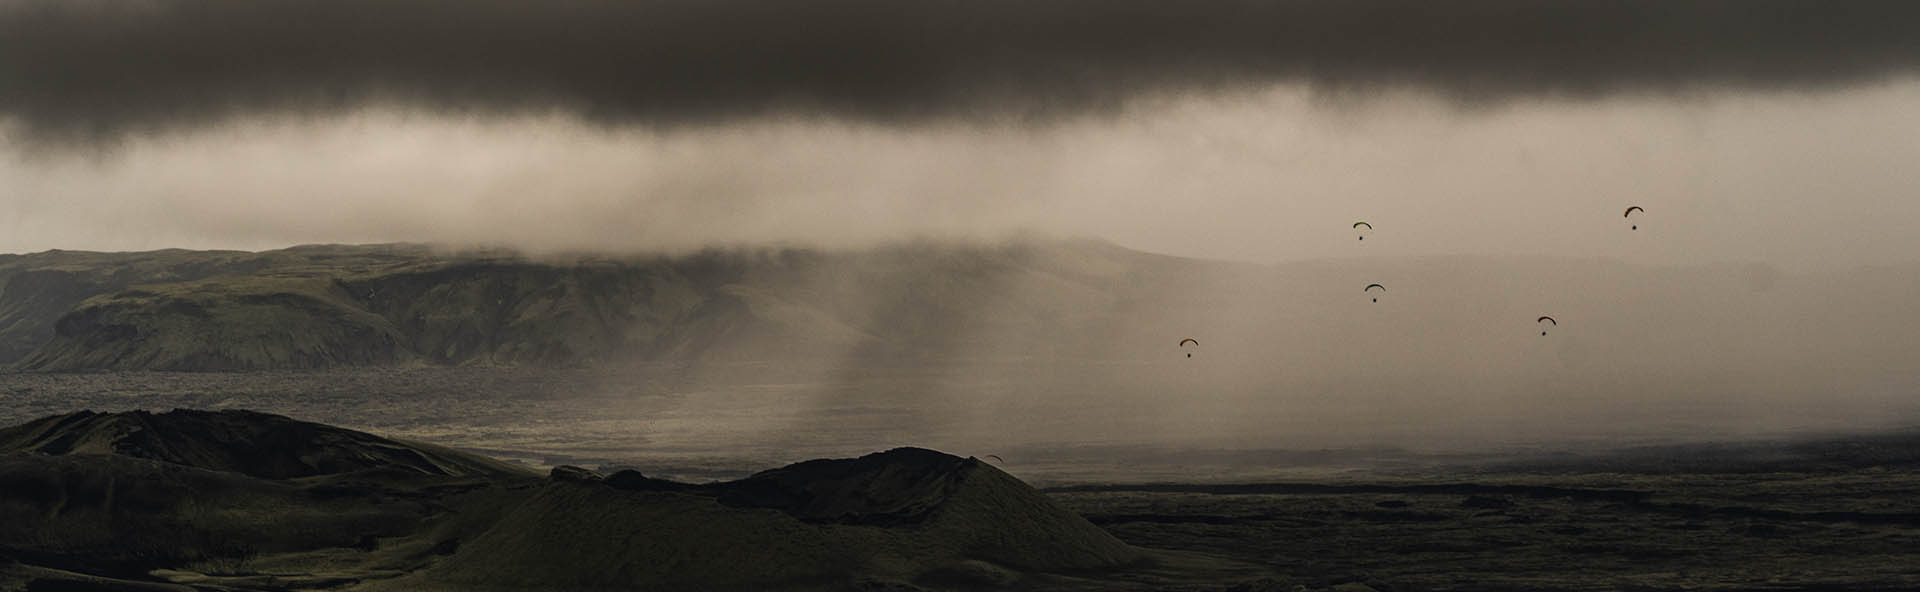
{"x": 236, "y": 497}
{"x": 228, "y": 323}
{"x": 257, "y": 444}
{"x": 37, "y": 290}
{"x": 118, "y": 495}
{"x": 987, "y": 532}
{"x": 385, "y": 305}
{"x": 331, "y": 306}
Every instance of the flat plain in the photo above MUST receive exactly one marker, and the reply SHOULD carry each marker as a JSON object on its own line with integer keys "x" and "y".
{"x": 1653, "y": 511}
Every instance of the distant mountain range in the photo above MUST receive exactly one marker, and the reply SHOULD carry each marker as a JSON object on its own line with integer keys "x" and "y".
{"x": 382, "y": 305}
{"x": 326, "y": 306}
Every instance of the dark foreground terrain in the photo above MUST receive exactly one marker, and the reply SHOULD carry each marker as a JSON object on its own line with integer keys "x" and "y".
{"x": 237, "y": 500}
{"x": 1852, "y": 531}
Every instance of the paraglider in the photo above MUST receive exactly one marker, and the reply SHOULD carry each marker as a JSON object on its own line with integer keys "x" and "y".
{"x": 1357, "y": 225}
{"x": 996, "y": 458}
{"x": 1546, "y": 319}
{"x": 1630, "y": 212}
{"x": 1371, "y": 287}
{"x": 1184, "y": 342}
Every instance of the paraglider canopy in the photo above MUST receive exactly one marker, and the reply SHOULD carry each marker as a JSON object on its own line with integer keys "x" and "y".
{"x": 1184, "y": 342}
{"x": 1357, "y": 225}
{"x": 1371, "y": 287}
{"x": 996, "y": 458}
{"x": 1630, "y": 212}
{"x": 1547, "y": 319}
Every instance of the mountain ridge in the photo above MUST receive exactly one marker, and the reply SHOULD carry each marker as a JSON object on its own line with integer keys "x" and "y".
{"x": 328, "y": 306}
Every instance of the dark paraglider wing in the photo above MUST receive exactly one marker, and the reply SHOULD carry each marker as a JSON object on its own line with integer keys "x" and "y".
{"x": 1184, "y": 342}
{"x": 1548, "y": 319}
{"x": 1631, "y": 210}
{"x": 1360, "y": 224}
{"x": 1372, "y": 286}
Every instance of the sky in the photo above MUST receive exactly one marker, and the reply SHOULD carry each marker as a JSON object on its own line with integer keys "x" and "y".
{"x": 1256, "y": 130}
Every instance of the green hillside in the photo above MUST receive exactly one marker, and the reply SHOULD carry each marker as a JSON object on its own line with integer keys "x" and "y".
{"x": 912, "y": 303}
{"x": 876, "y": 522}
{"x": 39, "y": 290}
{"x": 327, "y": 306}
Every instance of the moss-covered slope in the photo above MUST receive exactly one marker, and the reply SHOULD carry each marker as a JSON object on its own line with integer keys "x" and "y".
{"x": 256, "y": 444}
{"x": 316, "y": 307}
{"x": 901, "y": 518}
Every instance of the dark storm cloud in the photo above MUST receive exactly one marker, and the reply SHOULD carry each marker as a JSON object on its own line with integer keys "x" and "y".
{"x": 100, "y": 67}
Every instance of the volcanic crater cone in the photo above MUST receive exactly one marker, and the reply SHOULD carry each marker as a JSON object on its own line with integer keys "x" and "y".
{"x": 218, "y": 498}
{"x": 904, "y": 517}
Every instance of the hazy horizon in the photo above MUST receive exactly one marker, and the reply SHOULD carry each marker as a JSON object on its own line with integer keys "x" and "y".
{"x": 1758, "y": 136}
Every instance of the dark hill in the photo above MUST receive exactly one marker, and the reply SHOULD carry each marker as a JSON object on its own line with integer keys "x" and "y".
{"x": 255, "y": 444}
{"x": 236, "y": 500}
{"x": 901, "y": 518}
{"x": 899, "y": 486}
{"x": 87, "y": 496}
{"x": 122, "y": 516}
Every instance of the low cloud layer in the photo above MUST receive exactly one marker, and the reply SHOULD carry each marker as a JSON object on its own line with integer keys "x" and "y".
{"x": 92, "y": 69}
{"x": 1804, "y": 182}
